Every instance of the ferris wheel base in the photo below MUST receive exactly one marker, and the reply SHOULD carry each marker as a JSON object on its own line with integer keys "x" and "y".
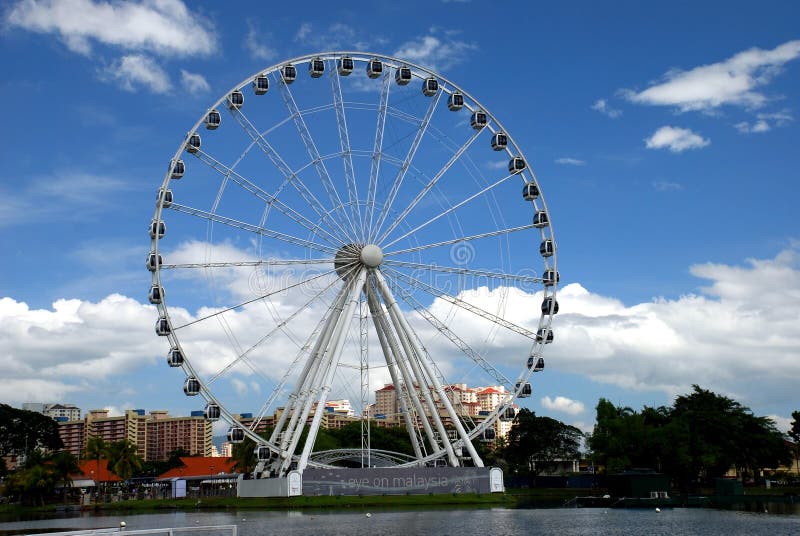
{"x": 376, "y": 481}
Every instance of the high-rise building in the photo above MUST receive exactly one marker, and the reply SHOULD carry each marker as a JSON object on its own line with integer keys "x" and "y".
{"x": 155, "y": 435}
{"x": 59, "y": 412}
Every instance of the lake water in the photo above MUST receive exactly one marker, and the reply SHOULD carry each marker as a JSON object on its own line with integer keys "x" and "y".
{"x": 460, "y": 522}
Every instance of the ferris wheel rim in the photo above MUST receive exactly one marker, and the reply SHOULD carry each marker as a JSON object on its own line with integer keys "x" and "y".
{"x": 494, "y": 126}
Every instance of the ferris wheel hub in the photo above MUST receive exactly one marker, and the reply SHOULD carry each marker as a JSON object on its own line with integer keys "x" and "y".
{"x": 371, "y": 255}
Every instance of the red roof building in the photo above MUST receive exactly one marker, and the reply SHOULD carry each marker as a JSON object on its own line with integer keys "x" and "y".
{"x": 199, "y": 466}
{"x": 96, "y": 471}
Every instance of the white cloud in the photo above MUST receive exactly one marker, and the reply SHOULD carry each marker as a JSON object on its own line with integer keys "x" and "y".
{"x": 666, "y": 186}
{"x": 435, "y": 52}
{"x": 570, "y": 161}
{"x": 734, "y": 81}
{"x": 338, "y": 36}
{"x": 675, "y": 139}
{"x": 57, "y": 197}
{"x": 601, "y": 105}
{"x": 303, "y": 32}
{"x": 193, "y": 82}
{"x": 134, "y": 71}
{"x": 764, "y": 122}
{"x": 254, "y": 43}
{"x": 563, "y": 404}
{"x": 165, "y": 27}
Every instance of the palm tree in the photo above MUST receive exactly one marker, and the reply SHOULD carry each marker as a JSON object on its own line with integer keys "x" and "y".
{"x": 95, "y": 449}
{"x": 63, "y": 465}
{"x": 124, "y": 459}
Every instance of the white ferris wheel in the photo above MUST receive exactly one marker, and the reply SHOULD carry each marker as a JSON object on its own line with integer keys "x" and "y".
{"x": 341, "y": 222}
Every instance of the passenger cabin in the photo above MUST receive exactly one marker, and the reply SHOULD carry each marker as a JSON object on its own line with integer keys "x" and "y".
{"x": 402, "y": 76}
{"x": 499, "y": 141}
{"x": 212, "y": 412}
{"x": 536, "y": 363}
{"x": 550, "y": 277}
{"x": 374, "y": 68}
{"x": 549, "y": 306}
{"x": 162, "y": 327}
{"x": 430, "y": 86}
{"x": 157, "y": 229}
{"x": 478, "y": 120}
{"x": 488, "y": 435}
{"x": 235, "y": 100}
{"x": 509, "y": 414}
{"x": 154, "y": 261}
{"x": 516, "y": 165}
{"x": 213, "y": 119}
{"x": 526, "y": 390}
{"x": 544, "y": 335}
{"x": 193, "y": 143}
{"x": 316, "y": 67}
{"x": 530, "y": 191}
{"x": 260, "y": 84}
{"x": 178, "y": 168}
{"x": 346, "y": 65}
{"x": 164, "y": 197}
{"x": 156, "y": 294}
{"x": 540, "y": 219}
{"x": 455, "y": 101}
{"x": 235, "y": 434}
{"x": 263, "y": 453}
{"x": 289, "y": 73}
{"x": 546, "y": 248}
{"x": 175, "y": 357}
{"x": 191, "y": 387}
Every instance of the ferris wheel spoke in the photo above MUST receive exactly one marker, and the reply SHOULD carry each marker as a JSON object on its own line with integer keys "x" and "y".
{"x": 440, "y": 326}
{"x": 449, "y": 210}
{"x": 236, "y": 264}
{"x": 399, "y": 219}
{"x": 252, "y": 300}
{"x": 439, "y": 293}
{"x": 263, "y": 195}
{"x": 464, "y": 271}
{"x": 257, "y": 229}
{"x": 319, "y": 165}
{"x": 401, "y": 173}
{"x": 377, "y": 148}
{"x": 279, "y": 327}
{"x": 283, "y": 168}
{"x": 461, "y": 239}
{"x": 416, "y": 348}
{"x": 344, "y": 143}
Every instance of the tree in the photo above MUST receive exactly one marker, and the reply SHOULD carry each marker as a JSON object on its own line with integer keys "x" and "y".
{"x": 244, "y": 456}
{"x": 22, "y": 431}
{"x": 95, "y": 449}
{"x": 794, "y": 433}
{"x": 124, "y": 459}
{"x": 536, "y": 443}
{"x": 64, "y": 465}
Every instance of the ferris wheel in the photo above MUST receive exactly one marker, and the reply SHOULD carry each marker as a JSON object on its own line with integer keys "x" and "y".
{"x": 345, "y": 222}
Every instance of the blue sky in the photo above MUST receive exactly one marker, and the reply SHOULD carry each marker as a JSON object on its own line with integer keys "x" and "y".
{"x": 664, "y": 137}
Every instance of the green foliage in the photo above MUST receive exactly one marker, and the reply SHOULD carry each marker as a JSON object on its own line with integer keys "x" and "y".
{"x": 538, "y": 443}
{"x": 24, "y": 431}
{"x": 794, "y": 433}
{"x": 124, "y": 459}
{"x": 95, "y": 449}
{"x": 701, "y": 437}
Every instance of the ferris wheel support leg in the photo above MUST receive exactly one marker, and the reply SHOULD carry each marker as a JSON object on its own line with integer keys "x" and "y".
{"x": 414, "y": 359}
{"x": 306, "y": 382}
{"x": 337, "y": 343}
{"x": 374, "y": 308}
{"x": 401, "y": 320}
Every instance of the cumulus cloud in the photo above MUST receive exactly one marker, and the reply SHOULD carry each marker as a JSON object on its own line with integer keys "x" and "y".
{"x": 563, "y": 404}
{"x": 602, "y": 106}
{"x": 675, "y": 139}
{"x": 193, "y": 82}
{"x": 437, "y": 52}
{"x": 135, "y": 71}
{"x": 570, "y": 161}
{"x": 764, "y": 122}
{"x": 164, "y": 27}
{"x": 337, "y": 36}
{"x": 734, "y": 81}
